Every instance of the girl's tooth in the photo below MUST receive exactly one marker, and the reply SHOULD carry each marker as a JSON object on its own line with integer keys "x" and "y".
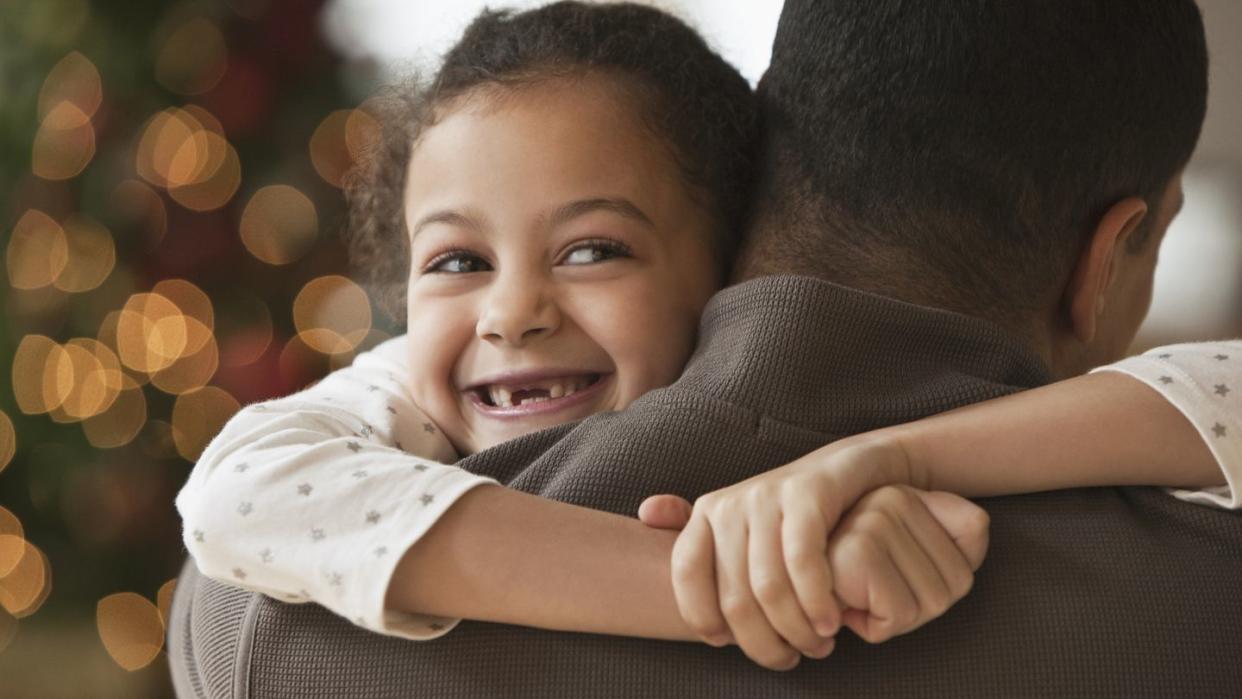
{"x": 556, "y": 391}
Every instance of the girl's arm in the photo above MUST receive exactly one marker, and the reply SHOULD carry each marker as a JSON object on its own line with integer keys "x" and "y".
{"x": 1178, "y": 425}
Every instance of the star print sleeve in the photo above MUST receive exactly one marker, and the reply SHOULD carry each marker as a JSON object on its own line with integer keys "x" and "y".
{"x": 316, "y": 496}
{"x": 1204, "y": 381}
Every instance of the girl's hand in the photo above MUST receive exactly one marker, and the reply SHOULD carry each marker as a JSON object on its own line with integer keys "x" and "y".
{"x": 754, "y": 563}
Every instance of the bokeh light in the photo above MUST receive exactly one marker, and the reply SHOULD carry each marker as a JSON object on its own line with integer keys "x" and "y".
{"x": 190, "y": 300}
{"x": 120, "y": 422}
{"x": 25, "y": 576}
{"x": 94, "y": 378}
{"x": 8, "y": 444}
{"x": 64, "y": 143}
{"x": 37, "y": 251}
{"x": 193, "y": 57}
{"x": 9, "y": 524}
{"x": 130, "y": 628}
{"x": 163, "y": 599}
{"x": 74, "y": 80}
{"x": 91, "y": 255}
{"x": 42, "y": 375}
{"x": 195, "y": 366}
{"x": 332, "y": 314}
{"x": 197, "y": 416}
{"x": 184, "y": 152}
{"x": 279, "y": 224}
{"x": 340, "y": 141}
{"x": 151, "y": 333}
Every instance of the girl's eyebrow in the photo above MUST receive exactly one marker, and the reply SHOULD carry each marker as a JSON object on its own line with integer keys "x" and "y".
{"x": 449, "y": 218}
{"x": 562, "y": 215}
{"x": 581, "y": 207}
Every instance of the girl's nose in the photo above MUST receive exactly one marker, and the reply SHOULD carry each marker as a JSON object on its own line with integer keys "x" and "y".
{"x": 518, "y": 310}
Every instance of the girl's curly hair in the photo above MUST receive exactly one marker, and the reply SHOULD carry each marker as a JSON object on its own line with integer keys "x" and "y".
{"x": 698, "y": 104}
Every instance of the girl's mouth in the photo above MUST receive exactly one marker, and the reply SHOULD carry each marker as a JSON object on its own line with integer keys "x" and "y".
{"x": 550, "y": 395}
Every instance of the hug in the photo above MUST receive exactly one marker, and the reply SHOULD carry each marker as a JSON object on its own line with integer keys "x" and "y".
{"x": 828, "y": 342}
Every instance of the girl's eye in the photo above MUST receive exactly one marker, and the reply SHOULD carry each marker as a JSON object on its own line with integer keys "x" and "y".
{"x": 594, "y": 251}
{"x": 457, "y": 263}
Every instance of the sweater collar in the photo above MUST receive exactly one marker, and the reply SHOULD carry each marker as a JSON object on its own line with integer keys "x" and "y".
{"x": 834, "y": 359}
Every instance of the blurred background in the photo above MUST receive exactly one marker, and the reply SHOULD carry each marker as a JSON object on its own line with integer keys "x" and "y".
{"x": 170, "y": 174}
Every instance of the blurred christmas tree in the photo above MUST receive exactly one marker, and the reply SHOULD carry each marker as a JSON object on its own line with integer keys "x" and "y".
{"x": 171, "y": 178}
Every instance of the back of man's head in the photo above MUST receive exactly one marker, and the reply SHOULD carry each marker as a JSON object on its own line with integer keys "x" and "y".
{"x": 960, "y": 152}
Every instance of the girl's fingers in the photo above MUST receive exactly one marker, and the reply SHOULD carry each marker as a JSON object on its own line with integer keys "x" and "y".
{"x": 921, "y": 575}
{"x": 694, "y": 582}
{"x": 804, "y": 540}
{"x": 955, "y": 569}
{"x": 890, "y": 602}
{"x": 746, "y": 619}
{"x": 665, "y": 512}
{"x": 773, "y": 590}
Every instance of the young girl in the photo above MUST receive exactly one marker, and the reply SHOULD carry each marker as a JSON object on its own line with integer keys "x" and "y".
{"x": 560, "y": 202}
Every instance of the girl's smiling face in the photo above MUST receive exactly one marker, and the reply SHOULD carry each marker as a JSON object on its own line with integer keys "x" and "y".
{"x": 559, "y": 261}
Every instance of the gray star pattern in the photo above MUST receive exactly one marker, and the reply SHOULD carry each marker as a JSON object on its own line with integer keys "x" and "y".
{"x": 245, "y": 508}
{"x": 305, "y": 489}
{"x": 359, "y": 474}
{"x": 1222, "y": 357}
{"x": 317, "y": 534}
{"x": 354, "y": 447}
{"x": 379, "y": 552}
{"x": 420, "y": 467}
{"x": 1218, "y": 430}
{"x": 373, "y": 517}
{"x": 1166, "y": 380}
{"x": 198, "y": 535}
{"x": 335, "y": 580}
{"x": 372, "y": 388}
{"x": 241, "y": 468}
{"x": 266, "y": 555}
{"x": 427, "y": 498}
{"x": 239, "y": 573}
{"x": 1164, "y": 356}
{"x": 1222, "y": 390}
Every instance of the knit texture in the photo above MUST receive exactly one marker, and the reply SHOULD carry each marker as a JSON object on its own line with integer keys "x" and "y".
{"x": 1098, "y": 592}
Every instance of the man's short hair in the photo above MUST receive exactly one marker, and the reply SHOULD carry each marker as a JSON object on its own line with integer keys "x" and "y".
{"x": 971, "y": 145}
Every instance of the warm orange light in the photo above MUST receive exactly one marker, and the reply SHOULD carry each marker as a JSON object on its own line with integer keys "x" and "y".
{"x": 151, "y": 333}
{"x": 10, "y": 525}
{"x": 96, "y": 382}
{"x": 64, "y": 143}
{"x": 26, "y": 585}
{"x": 92, "y": 255}
{"x": 341, "y": 140}
{"x": 37, "y": 251}
{"x": 8, "y": 445}
{"x": 130, "y": 629}
{"x": 195, "y": 367}
{"x": 192, "y": 301}
{"x": 163, "y": 599}
{"x": 73, "y": 79}
{"x": 279, "y": 224}
{"x": 332, "y": 314}
{"x": 42, "y": 375}
{"x": 214, "y": 189}
{"x": 122, "y": 421}
{"x": 197, "y": 416}
{"x": 193, "y": 58}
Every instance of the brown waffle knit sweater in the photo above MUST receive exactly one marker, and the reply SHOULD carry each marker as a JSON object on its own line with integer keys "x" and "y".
{"x": 1117, "y": 591}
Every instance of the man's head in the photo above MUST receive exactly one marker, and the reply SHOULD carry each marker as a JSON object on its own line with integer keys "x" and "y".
{"x": 1014, "y": 160}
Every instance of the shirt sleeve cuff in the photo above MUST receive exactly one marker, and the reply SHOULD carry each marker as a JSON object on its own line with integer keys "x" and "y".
{"x": 1168, "y": 374}
{"x": 416, "y": 519}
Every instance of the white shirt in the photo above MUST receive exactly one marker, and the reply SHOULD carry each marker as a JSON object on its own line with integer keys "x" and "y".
{"x": 316, "y": 496}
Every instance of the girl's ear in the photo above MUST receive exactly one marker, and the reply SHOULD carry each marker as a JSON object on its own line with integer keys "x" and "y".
{"x": 1085, "y": 296}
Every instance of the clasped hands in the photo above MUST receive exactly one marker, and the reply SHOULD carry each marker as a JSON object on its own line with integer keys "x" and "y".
{"x": 780, "y": 562}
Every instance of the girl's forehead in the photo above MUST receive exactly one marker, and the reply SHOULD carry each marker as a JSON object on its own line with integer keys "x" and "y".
{"x": 550, "y": 138}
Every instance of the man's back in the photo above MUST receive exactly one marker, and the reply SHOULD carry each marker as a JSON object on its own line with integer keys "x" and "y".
{"x": 1104, "y": 591}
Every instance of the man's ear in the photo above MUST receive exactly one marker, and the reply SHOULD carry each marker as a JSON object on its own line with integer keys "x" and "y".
{"x": 1084, "y": 297}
